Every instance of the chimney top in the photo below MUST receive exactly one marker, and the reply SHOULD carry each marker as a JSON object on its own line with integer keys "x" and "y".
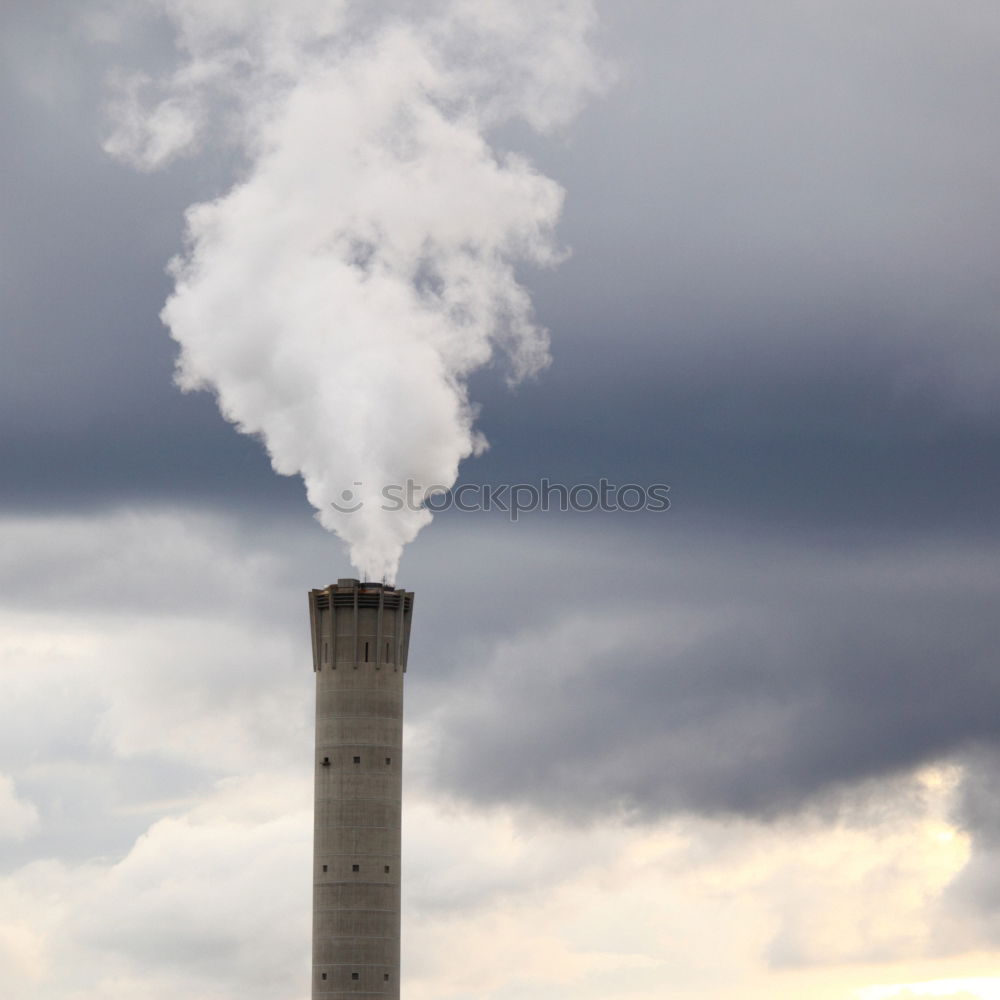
{"x": 350, "y": 583}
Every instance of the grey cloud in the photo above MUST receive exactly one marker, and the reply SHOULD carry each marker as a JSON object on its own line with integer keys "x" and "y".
{"x": 972, "y": 900}
{"x": 979, "y": 806}
{"x": 742, "y": 681}
{"x": 783, "y": 240}
{"x": 781, "y": 301}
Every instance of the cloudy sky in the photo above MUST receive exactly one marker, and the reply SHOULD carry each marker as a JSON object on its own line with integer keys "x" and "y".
{"x": 744, "y": 748}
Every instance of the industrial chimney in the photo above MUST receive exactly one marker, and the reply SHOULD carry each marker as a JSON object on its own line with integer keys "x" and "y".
{"x": 360, "y": 636}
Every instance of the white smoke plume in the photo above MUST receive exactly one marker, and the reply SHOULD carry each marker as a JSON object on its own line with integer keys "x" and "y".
{"x": 338, "y": 296}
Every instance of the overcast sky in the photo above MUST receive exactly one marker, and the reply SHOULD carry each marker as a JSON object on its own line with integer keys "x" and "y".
{"x": 743, "y": 748}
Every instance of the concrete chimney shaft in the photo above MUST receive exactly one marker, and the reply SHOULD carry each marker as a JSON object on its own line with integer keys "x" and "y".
{"x": 360, "y": 636}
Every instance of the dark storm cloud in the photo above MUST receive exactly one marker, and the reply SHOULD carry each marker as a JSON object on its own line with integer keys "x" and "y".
{"x": 84, "y": 244}
{"x": 782, "y": 302}
{"x": 87, "y": 402}
{"x": 716, "y": 675}
{"x": 809, "y": 453}
{"x": 784, "y": 227}
{"x": 979, "y": 806}
{"x": 975, "y": 892}
{"x": 782, "y": 297}
{"x": 763, "y": 166}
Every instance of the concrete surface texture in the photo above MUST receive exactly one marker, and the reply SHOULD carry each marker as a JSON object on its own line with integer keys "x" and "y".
{"x": 360, "y": 635}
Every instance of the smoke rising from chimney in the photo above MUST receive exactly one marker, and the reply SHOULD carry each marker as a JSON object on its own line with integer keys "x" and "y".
{"x": 339, "y": 295}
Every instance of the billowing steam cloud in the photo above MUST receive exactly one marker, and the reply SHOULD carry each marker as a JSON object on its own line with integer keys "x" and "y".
{"x": 337, "y": 298}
